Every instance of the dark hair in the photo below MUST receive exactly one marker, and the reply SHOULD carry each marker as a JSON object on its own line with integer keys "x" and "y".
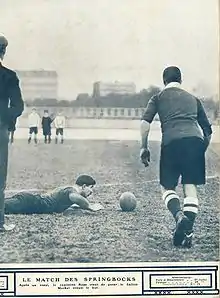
{"x": 172, "y": 74}
{"x": 3, "y": 44}
{"x": 2, "y": 49}
{"x": 85, "y": 179}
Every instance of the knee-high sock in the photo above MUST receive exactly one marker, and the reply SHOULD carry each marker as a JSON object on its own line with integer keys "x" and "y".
{"x": 190, "y": 208}
{"x": 172, "y": 202}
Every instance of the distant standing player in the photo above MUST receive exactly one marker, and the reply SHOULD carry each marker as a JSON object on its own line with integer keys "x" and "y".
{"x": 46, "y": 126}
{"x": 60, "y": 123}
{"x": 34, "y": 124}
{"x": 186, "y": 134}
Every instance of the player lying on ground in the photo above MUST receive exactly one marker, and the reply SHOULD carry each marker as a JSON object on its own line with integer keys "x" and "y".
{"x": 186, "y": 133}
{"x": 57, "y": 201}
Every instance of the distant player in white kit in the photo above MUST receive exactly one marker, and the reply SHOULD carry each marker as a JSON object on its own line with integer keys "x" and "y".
{"x": 60, "y": 123}
{"x": 33, "y": 123}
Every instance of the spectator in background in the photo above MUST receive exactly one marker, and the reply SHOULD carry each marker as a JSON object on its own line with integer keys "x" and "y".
{"x": 46, "y": 125}
{"x": 60, "y": 123}
{"x": 11, "y": 107}
{"x": 34, "y": 123}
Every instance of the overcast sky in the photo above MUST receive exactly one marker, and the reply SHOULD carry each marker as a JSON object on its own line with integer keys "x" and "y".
{"x": 125, "y": 40}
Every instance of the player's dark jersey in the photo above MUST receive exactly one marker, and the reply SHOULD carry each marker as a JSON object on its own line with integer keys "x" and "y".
{"x": 28, "y": 203}
{"x": 58, "y": 200}
{"x": 46, "y": 124}
{"x": 181, "y": 115}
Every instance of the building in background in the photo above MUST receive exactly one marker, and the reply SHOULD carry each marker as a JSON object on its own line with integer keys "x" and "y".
{"x": 105, "y": 88}
{"x": 40, "y": 84}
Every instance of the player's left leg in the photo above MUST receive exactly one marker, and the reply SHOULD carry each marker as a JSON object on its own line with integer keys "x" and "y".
{"x": 35, "y": 134}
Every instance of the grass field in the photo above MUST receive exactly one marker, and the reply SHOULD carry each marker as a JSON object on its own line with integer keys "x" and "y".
{"x": 109, "y": 235}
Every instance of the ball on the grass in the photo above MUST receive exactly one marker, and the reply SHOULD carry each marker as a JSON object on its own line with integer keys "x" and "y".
{"x": 127, "y": 201}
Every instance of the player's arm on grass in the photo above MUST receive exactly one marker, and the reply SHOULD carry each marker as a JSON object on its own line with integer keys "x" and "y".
{"x": 83, "y": 203}
{"x": 204, "y": 123}
{"x": 79, "y": 200}
{"x": 147, "y": 118}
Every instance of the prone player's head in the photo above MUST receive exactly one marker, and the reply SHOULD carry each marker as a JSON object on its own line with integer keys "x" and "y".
{"x": 3, "y": 46}
{"x": 172, "y": 74}
{"x": 85, "y": 184}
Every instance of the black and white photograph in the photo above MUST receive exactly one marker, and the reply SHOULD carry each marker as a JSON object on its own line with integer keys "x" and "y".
{"x": 109, "y": 136}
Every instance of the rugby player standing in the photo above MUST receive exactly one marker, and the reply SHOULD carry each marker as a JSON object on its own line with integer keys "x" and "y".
{"x": 186, "y": 134}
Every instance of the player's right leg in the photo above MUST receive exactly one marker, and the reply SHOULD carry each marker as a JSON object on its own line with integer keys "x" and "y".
{"x": 190, "y": 210}
{"x": 35, "y": 134}
{"x": 30, "y": 134}
{"x": 193, "y": 174}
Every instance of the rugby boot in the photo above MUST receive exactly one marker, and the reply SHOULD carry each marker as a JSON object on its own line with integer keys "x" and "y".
{"x": 187, "y": 241}
{"x": 183, "y": 225}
